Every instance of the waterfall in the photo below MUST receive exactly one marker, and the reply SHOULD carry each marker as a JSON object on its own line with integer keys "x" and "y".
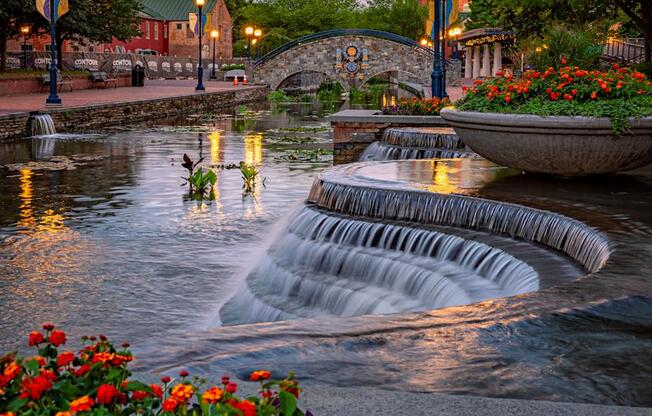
{"x": 42, "y": 125}
{"x": 335, "y": 191}
{"x": 416, "y": 143}
{"x": 322, "y": 265}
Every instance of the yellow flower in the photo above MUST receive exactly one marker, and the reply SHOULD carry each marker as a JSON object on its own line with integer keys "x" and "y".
{"x": 182, "y": 392}
{"x": 212, "y": 395}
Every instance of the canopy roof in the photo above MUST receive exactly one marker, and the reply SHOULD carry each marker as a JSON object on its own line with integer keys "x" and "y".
{"x": 486, "y": 35}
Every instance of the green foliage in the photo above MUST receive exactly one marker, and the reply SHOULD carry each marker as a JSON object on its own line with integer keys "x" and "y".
{"x": 231, "y": 67}
{"x": 330, "y": 91}
{"x": 580, "y": 47}
{"x": 200, "y": 182}
{"x": 249, "y": 175}
{"x": 278, "y": 97}
{"x": 618, "y": 94}
{"x": 403, "y": 17}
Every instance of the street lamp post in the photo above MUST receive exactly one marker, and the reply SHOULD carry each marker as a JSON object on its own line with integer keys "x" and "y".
{"x": 253, "y": 35}
{"x": 437, "y": 66}
{"x": 25, "y": 31}
{"x": 200, "y": 68}
{"x": 249, "y": 31}
{"x": 53, "y": 100}
{"x": 214, "y": 34}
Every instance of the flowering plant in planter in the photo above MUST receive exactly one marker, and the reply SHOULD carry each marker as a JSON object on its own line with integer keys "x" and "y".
{"x": 618, "y": 93}
{"x": 95, "y": 381}
{"x": 418, "y": 107}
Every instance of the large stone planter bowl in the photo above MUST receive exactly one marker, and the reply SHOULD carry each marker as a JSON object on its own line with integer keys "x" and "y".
{"x": 567, "y": 146}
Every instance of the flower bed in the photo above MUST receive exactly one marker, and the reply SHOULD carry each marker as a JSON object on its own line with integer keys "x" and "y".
{"x": 418, "y": 107}
{"x": 96, "y": 381}
{"x": 618, "y": 94}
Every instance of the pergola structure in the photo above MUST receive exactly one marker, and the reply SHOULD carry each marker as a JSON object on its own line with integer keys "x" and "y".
{"x": 481, "y": 39}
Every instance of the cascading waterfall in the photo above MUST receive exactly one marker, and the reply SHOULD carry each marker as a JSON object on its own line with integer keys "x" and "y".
{"x": 42, "y": 125}
{"x": 330, "y": 265}
{"x": 335, "y": 191}
{"x": 416, "y": 143}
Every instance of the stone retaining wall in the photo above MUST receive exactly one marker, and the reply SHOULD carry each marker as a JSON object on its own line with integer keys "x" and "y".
{"x": 105, "y": 115}
{"x": 354, "y": 130}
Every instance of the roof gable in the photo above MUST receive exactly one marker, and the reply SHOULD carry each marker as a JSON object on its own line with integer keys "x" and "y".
{"x": 173, "y": 9}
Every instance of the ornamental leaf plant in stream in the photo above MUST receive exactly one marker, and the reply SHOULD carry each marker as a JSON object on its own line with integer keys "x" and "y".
{"x": 617, "y": 93}
{"x": 96, "y": 381}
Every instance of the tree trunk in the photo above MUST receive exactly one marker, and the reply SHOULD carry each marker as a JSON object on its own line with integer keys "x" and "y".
{"x": 3, "y": 48}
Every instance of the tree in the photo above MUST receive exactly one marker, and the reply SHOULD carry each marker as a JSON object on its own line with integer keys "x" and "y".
{"x": 403, "y": 17}
{"x": 98, "y": 21}
{"x": 13, "y": 14}
{"x": 531, "y": 19}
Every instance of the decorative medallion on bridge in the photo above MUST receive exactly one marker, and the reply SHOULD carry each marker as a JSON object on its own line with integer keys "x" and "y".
{"x": 351, "y": 59}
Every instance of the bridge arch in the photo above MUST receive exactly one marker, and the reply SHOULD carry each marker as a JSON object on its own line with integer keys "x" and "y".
{"x": 348, "y": 56}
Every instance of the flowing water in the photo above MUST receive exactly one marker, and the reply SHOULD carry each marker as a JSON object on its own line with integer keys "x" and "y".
{"x": 417, "y": 143}
{"x": 42, "y": 125}
{"x": 546, "y": 281}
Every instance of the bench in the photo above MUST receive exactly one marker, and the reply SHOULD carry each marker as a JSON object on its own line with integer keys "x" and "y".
{"x": 104, "y": 78}
{"x": 62, "y": 80}
{"x": 235, "y": 73}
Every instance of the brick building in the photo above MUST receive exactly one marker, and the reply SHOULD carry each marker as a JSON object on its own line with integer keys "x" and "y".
{"x": 165, "y": 29}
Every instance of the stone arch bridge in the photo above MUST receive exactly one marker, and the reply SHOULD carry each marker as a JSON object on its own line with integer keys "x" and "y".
{"x": 348, "y": 56}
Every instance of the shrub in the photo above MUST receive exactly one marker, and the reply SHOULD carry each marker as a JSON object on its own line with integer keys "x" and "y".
{"x": 583, "y": 48}
{"x": 618, "y": 93}
{"x": 96, "y": 381}
{"x": 278, "y": 97}
{"x": 418, "y": 107}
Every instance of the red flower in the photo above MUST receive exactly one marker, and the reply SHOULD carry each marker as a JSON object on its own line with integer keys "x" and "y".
{"x": 48, "y": 374}
{"x": 57, "y": 338}
{"x": 158, "y": 391}
{"x": 166, "y": 379}
{"x": 170, "y": 404}
{"x": 103, "y": 337}
{"x": 34, "y": 388}
{"x": 48, "y": 326}
{"x": 65, "y": 358}
{"x": 231, "y": 388}
{"x": 183, "y": 373}
{"x": 140, "y": 395}
{"x": 246, "y": 407}
{"x": 226, "y": 380}
{"x": 81, "y": 371}
{"x": 35, "y": 338}
{"x": 106, "y": 394}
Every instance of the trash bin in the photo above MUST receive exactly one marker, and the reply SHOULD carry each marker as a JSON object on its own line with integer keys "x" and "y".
{"x": 138, "y": 76}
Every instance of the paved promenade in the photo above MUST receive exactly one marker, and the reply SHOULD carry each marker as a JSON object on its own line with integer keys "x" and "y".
{"x": 153, "y": 89}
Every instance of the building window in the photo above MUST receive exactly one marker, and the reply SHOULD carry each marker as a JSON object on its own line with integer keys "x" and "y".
{"x": 179, "y": 26}
{"x": 147, "y": 29}
{"x": 165, "y": 31}
{"x": 156, "y": 31}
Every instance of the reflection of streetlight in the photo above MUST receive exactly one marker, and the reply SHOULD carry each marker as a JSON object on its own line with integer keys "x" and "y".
{"x": 200, "y": 68}
{"x": 214, "y": 34}
{"x": 25, "y": 29}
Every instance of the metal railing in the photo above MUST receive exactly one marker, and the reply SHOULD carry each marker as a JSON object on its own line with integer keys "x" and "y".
{"x": 627, "y": 51}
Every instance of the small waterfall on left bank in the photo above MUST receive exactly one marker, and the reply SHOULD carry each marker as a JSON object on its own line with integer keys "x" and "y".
{"x": 42, "y": 125}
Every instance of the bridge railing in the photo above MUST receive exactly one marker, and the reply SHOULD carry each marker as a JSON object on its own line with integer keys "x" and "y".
{"x": 627, "y": 51}
{"x": 341, "y": 32}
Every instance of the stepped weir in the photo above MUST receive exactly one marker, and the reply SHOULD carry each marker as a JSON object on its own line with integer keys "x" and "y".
{"x": 416, "y": 143}
{"x": 364, "y": 244}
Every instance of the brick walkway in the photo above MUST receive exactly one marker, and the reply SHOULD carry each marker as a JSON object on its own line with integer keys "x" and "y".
{"x": 21, "y": 103}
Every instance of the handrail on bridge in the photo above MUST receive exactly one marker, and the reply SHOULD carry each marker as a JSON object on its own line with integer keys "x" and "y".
{"x": 341, "y": 32}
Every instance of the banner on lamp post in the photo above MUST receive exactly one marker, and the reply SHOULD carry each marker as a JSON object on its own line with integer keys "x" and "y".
{"x": 206, "y": 22}
{"x": 60, "y": 8}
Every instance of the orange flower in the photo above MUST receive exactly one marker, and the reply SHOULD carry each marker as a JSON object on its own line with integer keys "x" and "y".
{"x": 57, "y": 338}
{"x": 158, "y": 391}
{"x": 102, "y": 357}
{"x": 213, "y": 395}
{"x": 260, "y": 375}
{"x": 83, "y": 404}
{"x": 12, "y": 370}
{"x": 63, "y": 414}
{"x": 182, "y": 392}
{"x": 8, "y": 414}
{"x": 246, "y": 407}
{"x": 594, "y": 95}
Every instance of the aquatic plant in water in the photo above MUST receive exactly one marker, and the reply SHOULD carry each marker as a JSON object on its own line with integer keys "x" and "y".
{"x": 200, "y": 182}
{"x": 249, "y": 175}
{"x": 96, "y": 381}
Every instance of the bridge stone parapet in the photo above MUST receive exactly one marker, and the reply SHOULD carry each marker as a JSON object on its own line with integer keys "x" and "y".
{"x": 350, "y": 57}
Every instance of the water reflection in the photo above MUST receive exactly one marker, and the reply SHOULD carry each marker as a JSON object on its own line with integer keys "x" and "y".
{"x": 253, "y": 148}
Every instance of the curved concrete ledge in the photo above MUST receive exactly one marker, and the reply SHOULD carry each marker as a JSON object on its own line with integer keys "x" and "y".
{"x": 567, "y": 146}
{"x": 349, "y": 190}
